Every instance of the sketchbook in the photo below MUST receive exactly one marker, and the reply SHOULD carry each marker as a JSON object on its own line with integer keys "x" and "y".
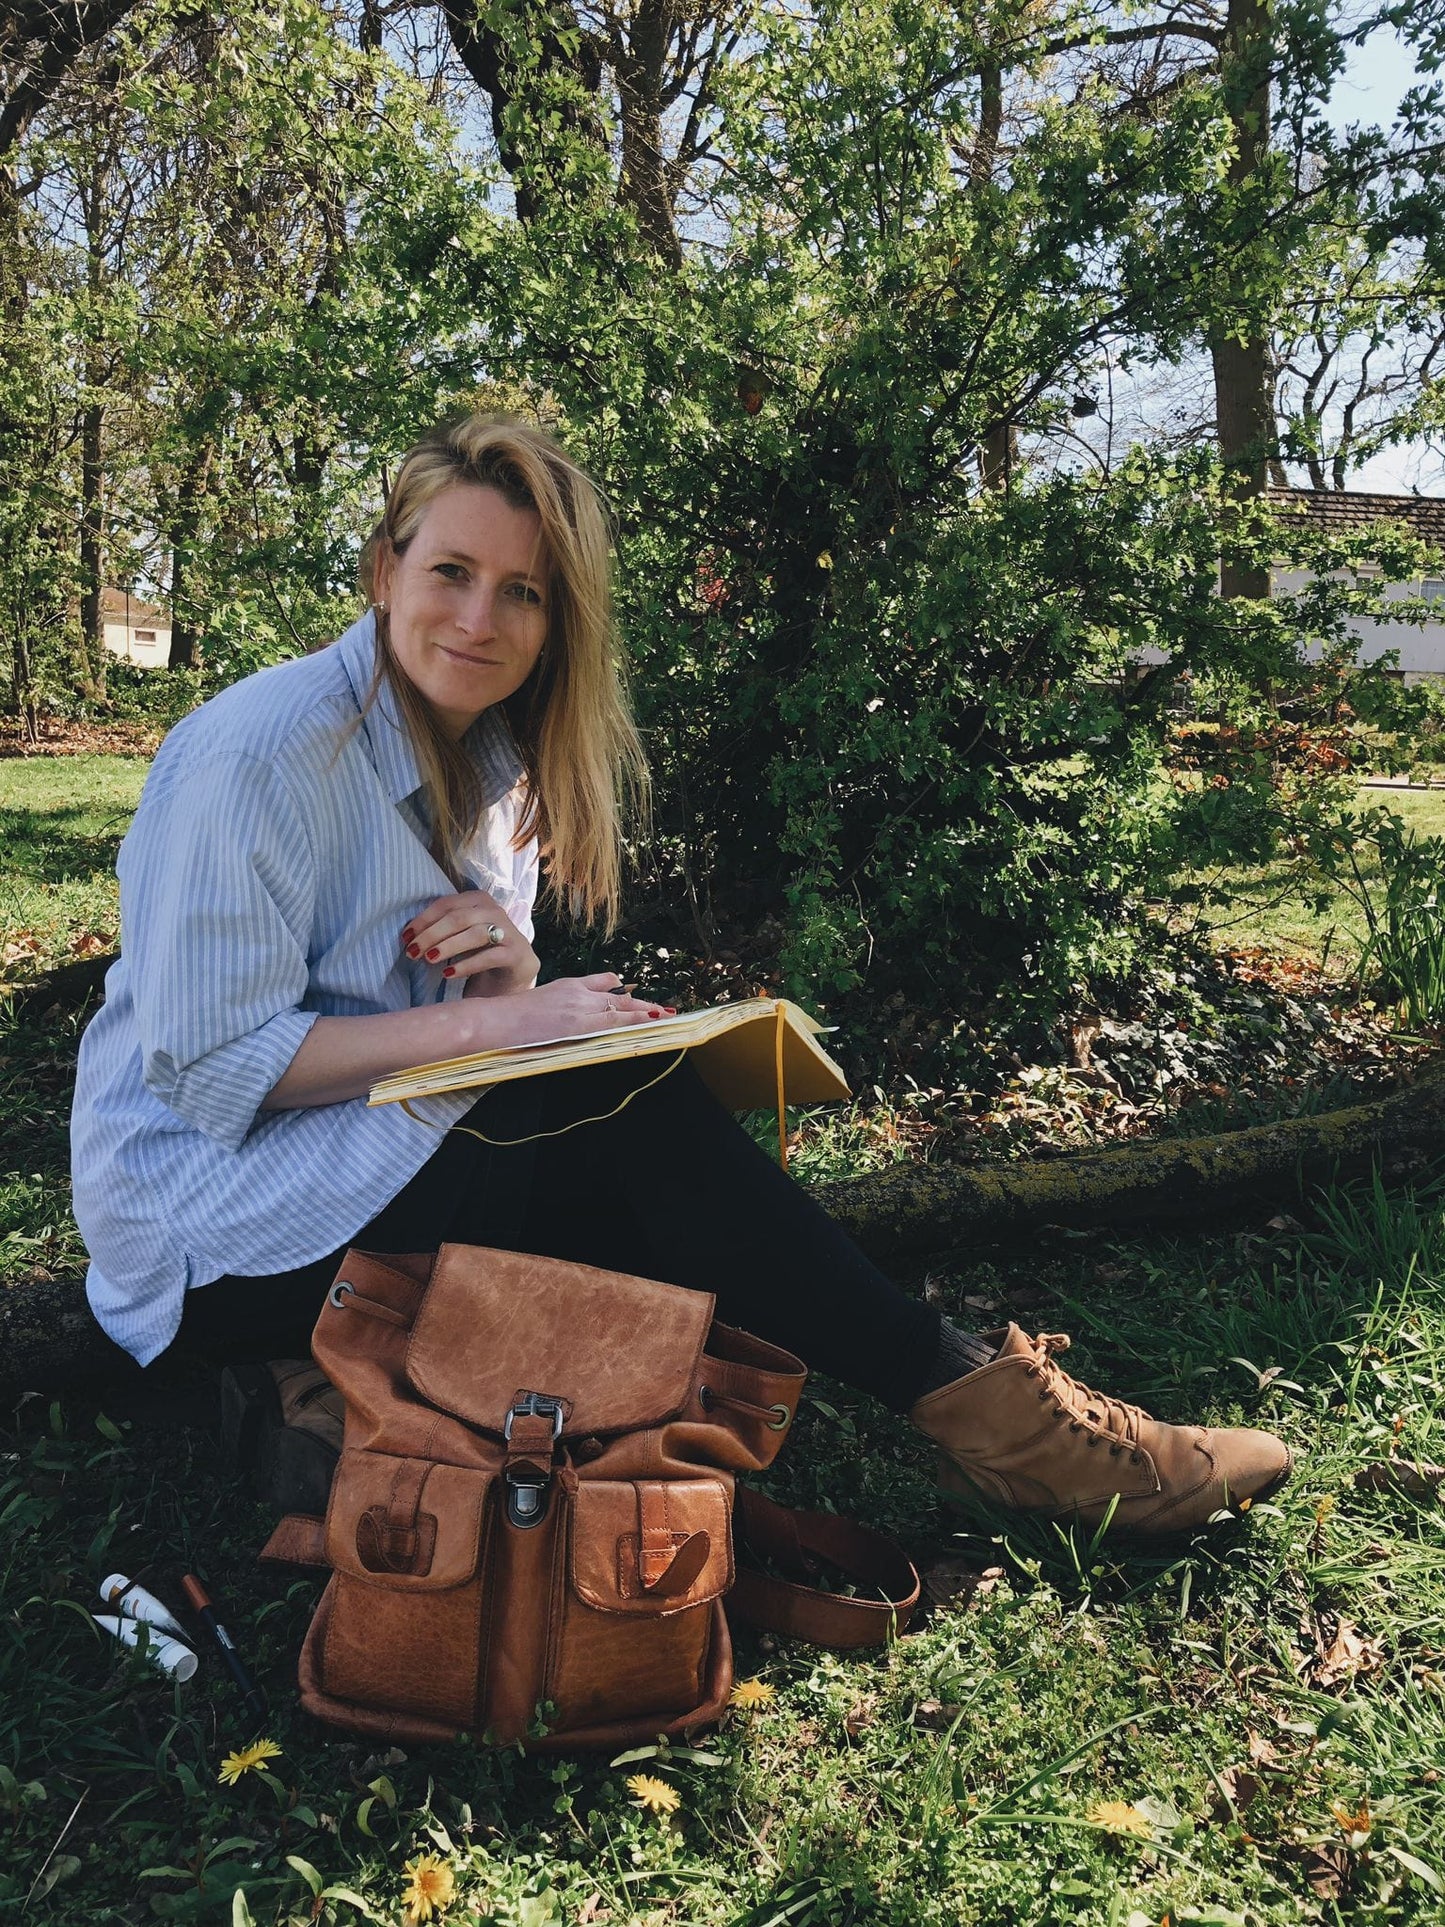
{"x": 746, "y": 1053}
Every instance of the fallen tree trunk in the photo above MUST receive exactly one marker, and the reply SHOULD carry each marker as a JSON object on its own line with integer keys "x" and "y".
{"x": 911, "y": 1212}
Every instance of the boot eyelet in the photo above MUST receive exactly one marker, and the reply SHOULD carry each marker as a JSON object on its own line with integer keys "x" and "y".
{"x": 1043, "y": 1397}
{"x": 1115, "y": 1450}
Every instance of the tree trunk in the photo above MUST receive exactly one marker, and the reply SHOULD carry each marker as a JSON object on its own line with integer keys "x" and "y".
{"x": 643, "y": 185}
{"x": 1243, "y": 375}
{"x": 998, "y": 455}
{"x": 909, "y": 1213}
{"x": 92, "y": 551}
{"x": 559, "y": 49}
{"x": 183, "y": 633}
{"x": 184, "y": 522}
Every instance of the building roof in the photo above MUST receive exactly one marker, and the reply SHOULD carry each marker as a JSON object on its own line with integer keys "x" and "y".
{"x": 1336, "y": 511}
{"x": 120, "y": 605}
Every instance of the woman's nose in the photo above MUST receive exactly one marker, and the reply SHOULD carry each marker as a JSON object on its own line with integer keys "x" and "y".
{"x": 477, "y": 616}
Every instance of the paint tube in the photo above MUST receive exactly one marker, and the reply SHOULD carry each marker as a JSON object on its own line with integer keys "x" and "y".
{"x": 134, "y": 1602}
{"x": 166, "y": 1653}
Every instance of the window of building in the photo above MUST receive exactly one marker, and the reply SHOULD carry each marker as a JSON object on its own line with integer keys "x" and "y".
{"x": 145, "y": 635}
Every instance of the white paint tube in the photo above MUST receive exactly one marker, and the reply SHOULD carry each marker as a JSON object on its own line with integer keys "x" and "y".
{"x": 166, "y": 1653}
{"x": 134, "y": 1602}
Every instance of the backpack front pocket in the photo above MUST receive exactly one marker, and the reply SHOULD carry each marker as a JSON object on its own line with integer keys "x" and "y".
{"x": 409, "y": 1541}
{"x": 646, "y": 1562}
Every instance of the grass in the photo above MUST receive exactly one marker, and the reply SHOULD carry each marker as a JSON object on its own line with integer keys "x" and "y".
{"x": 1276, "y": 908}
{"x": 61, "y": 821}
{"x": 1248, "y": 1728}
{"x": 1264, "y": 1705}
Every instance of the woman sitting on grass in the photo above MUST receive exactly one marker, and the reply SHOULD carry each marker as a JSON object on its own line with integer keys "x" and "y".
{"x": 331, "y": 877}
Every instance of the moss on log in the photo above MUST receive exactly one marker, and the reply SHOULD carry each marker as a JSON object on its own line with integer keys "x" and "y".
{"x": 911, "y": 1210}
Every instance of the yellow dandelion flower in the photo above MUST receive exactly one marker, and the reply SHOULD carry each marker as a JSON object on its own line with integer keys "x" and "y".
{"x": 653, "y": 1795}
{"x": 750, "y": 1694}
{"x": 1117, "y": 1816}
{"x": 250, "y": 1759}
{"x": 431, "y": 1886}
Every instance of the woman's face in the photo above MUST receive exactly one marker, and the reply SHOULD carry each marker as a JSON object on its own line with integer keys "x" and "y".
{"x": 468, "y": 601}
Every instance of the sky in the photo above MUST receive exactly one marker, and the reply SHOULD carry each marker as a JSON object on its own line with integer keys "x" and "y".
{"x": 1375, "y": 78}
{"x": 1143, "y": 398}
{"x": 1369, "y": 91}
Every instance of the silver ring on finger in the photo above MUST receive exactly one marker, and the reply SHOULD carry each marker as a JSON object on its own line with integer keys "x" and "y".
{"x": 495, "y": 935}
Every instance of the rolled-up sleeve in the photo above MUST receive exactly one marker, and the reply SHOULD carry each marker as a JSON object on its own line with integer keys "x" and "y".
{"x": 217, "y": 892}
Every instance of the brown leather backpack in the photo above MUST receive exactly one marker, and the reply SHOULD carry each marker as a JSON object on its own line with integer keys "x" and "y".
{"x": 530, "y": 1531}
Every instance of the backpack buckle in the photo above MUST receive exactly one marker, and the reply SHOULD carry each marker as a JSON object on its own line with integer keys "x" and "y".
{"x": 527, "y": 1482}
{"x": 535, "y": 1405}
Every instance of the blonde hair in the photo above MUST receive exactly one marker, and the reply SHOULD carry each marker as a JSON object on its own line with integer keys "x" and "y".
{"x": 581, "y": 755}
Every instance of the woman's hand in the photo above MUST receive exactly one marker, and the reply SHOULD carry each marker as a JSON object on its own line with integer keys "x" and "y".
{"x": 473, "y": 937}
{"x": 573, "y": 1006}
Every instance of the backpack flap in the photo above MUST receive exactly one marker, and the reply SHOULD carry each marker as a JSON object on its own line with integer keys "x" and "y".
{"x": 413, "y": 1525}
{"x": 650, "y": 1547}
{"x": 619, "y": 1353}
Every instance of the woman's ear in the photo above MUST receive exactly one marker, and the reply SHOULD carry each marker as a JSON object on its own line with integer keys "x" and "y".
{"x": 383, "y": 572}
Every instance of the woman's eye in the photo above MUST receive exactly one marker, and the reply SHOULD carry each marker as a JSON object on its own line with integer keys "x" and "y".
{"x": 453, "y": 571}
{"x": 525, "y": 593}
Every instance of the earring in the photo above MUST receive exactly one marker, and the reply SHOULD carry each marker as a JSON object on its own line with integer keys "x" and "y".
{"x": 381, "y": 607}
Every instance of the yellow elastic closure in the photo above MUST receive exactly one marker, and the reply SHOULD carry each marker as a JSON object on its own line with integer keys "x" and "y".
{"x": 780, "y": 1031}
{"x": 506, "y": 1143}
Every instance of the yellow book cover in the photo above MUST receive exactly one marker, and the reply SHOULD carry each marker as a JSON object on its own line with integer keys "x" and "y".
{"x": 735, "y": 1048}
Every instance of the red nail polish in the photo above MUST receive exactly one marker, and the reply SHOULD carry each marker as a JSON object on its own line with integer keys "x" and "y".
{"x": 449, "y": 972}
{"x": 669, "y": 1010}
{"x": 407, "y": 934}
{"x": 432, "y": 955}
{"x": 654, "y": 1013}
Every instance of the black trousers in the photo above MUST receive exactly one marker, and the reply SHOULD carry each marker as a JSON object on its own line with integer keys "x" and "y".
{"x": 668, "y": 1186}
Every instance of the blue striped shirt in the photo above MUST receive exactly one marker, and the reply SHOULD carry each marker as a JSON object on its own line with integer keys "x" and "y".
{"x": 279, "y": 849}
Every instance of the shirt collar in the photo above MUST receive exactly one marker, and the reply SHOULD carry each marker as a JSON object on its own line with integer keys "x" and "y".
{"x": 488, "y": 742}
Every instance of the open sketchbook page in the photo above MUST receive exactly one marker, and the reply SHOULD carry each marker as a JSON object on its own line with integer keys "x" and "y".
{"x": 734, "y": 1048}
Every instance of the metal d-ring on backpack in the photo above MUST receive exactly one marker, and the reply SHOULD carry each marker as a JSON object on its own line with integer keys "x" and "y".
{"x": 531, "y": 1525}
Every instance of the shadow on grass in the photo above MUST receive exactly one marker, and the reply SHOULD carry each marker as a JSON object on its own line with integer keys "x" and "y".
{"x": 49, "y": 846}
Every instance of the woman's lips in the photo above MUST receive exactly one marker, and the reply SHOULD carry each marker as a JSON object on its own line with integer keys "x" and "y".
{"x": 472, "y": 662}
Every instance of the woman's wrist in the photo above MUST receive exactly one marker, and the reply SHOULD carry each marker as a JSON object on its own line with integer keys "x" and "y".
{"x": 497, "y": 1019}
{"x": 342, "y": 1057}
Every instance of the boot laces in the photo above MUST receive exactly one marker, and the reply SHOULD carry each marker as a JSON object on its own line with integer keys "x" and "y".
{"x": 1107, "y": 1417}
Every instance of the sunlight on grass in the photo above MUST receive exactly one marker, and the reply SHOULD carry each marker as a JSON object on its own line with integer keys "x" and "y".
{"x": 61, "y": 820}
{"x": 1275, "y": 909}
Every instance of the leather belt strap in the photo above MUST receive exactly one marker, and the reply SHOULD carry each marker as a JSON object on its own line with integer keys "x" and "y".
{"x": 796, "y": 1543}
{"x": 531, "y": 1444}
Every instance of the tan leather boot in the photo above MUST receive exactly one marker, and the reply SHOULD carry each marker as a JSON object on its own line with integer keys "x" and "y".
{"x": 1023, "y": 1433}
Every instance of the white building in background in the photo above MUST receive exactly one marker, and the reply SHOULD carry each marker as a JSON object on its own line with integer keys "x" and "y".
{"x": 1420, "y": 640}
{"x": 135, "y": 630}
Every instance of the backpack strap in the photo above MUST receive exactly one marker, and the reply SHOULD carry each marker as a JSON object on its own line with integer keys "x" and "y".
{"x": 798, "y": 1544}
{"x": 297, "y": 1540}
